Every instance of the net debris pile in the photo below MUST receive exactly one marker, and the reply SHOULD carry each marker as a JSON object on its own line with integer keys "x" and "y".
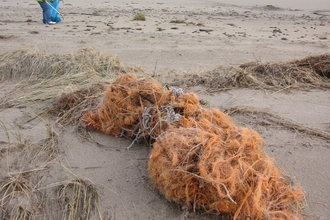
{"x": 140, "y": 108}
{"x": 223, "y": 173}
{"x": 200, "y": 158}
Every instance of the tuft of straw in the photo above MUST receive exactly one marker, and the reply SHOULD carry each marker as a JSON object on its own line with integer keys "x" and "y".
{"x": 21, "y": 191}
{"x": 139, "y": 17}
{"x": 78, "y": 199}
{"x": 35, "y": 65}
{"x": 70, "y": 106}
{"x": 276, "y": 119}
{"x": 312, "y": 72}
{"x": 65, "y": 85}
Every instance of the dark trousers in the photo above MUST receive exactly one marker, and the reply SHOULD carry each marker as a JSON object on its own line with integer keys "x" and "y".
{"x": 45, "y": 12}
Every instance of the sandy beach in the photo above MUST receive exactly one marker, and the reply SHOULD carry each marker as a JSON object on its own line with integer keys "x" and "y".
{"x": 213, "y": 33}
{"x": 176, "y": 43}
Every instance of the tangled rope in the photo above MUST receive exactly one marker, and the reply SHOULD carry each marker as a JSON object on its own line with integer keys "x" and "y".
{"x": 177, "y": 91}
{"x": 147, "y": 118}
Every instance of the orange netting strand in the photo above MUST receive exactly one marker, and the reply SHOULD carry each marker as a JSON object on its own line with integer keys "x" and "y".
{"x": 200, "y": 158}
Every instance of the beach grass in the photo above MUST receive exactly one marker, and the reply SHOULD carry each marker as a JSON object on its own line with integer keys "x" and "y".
{"x": 139, "y": 17}
{"x": 55, "y": 83}
{"x": 310, "y": 72}
{"x": 78, "y": 199}
{"x": 178, "y": 21}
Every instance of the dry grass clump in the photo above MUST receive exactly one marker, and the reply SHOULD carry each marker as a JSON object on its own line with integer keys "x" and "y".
{"x": 78, "y": 199}
{"x": 34, "y": 65}
{"x": 18, "y": 201}
{"x": 63, "y": 84}
{"x": 200, "y": 159}
{"x": 41, "y": 78}
{"x": 71, "y": 105}
{"x": 21, "y": 193}
{"x": 27, "y": 190}
{"x": 178, "y": 21}
{"x": 319, "y": 65}
{"x": 313, "y": 72}
{"x": 224, "y": 78}
{"x": 267, "y": 116}
{"x": 139, "y": 17}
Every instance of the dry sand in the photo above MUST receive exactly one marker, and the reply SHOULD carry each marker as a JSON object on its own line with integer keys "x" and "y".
{"x": 213, "y": 34}
{"x": 232, "y": 34}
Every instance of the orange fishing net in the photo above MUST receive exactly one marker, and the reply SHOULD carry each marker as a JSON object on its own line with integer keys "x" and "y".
{"x": 199, "y": 159}
{"x": 123, "y": 105}
{"x": 222, "y": 173}
{"x": 140, "y": 108}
